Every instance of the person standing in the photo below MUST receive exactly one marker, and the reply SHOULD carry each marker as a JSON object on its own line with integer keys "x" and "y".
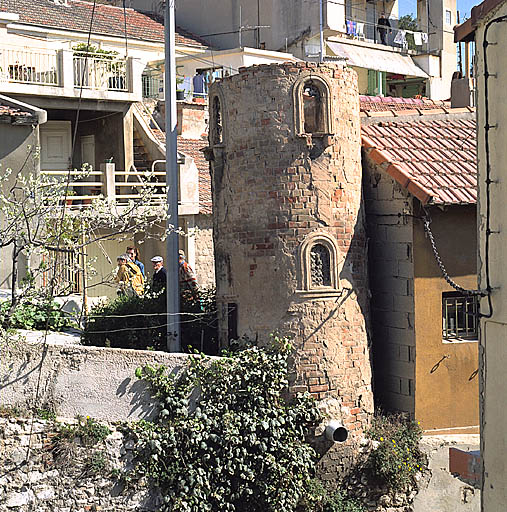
{"x": 159, "y": 279}
{"x": 186, "y": 276}
{"x": 128, "y": 276}
{"x": 383, "y": 24}
{"x": 133, "y": 254}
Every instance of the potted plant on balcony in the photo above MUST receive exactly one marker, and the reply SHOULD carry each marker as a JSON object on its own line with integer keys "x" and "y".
{"x": 180, "y": 93}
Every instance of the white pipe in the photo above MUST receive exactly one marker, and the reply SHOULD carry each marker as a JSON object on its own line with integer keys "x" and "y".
{"x": 336, "y": 432}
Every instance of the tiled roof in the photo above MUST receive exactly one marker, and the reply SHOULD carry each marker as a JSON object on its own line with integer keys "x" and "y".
{"x": 381, "y": 104}
{"x": 434, "y": 159}
{"x": 107, "y": 19}
{"x": 12, "y": 115}
{"x": 192, "y": 148}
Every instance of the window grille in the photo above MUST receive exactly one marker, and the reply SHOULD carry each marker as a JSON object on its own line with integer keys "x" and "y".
{"x": 66, "y": 272}
{"x": 459, "y": 316}
{"x": 320, "y": 266}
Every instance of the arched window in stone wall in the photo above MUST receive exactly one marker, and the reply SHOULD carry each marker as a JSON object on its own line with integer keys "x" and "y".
{"x": 216, "y": 121}
{"x": 318, "y": 265}
{"x": 312, "y": 106}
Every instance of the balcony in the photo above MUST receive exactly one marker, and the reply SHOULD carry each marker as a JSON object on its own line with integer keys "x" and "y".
{"x": 113, "y": 184}
{"x": 393, "y": 37}
{"x": 124, "y": 187}
{"x": 64, "y": 73}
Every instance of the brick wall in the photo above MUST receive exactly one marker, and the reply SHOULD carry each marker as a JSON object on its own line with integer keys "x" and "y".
{"x": 391, "y": 271}
{"x": 272, "y": 190}
{"x": 192, "y": 119}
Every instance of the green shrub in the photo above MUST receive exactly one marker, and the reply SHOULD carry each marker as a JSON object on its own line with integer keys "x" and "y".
{"x": 320, "y": 499}
{"x": 397, "y": 458}
{"x": 240, "y": 446}
{"x": 88, "y": 430}
{"x": 35, "y": 314}
{"x": 140, "y": 322}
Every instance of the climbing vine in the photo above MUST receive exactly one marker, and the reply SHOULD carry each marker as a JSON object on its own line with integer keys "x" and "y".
{"x": 226, "y": 436}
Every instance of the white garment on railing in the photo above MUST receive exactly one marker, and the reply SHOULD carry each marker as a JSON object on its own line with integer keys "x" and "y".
{"x": 360, "y": 29}
{"x": 424, "y": 37}
{"x": 418, "y": 38}
{"x": 400, "y": 38}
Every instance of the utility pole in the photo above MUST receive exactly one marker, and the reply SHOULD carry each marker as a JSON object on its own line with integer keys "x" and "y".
{"x": 172, "y": 286}
{"x": 321, "y": 31}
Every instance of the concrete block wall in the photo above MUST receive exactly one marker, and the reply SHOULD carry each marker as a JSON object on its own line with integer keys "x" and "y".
{"x": 391, "y": 272}
{"x": 274, "y": 189}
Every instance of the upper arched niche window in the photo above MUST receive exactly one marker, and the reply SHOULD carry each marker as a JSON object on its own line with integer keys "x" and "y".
{"x": 312, "y": 106}
{"x": 318, "y": 265}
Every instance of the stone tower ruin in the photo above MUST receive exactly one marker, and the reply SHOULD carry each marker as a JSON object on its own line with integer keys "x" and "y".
{"x": 290, "y": 246}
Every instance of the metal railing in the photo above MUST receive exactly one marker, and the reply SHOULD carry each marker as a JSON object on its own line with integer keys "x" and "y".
{"x": 392, "y": 35}
{"x": 153, "y": 86}
{"x": 24, "y": 65}
{"x": 459, "y": 316}
{"x": 100, "y": 72}
{"x": 63, "y": 271}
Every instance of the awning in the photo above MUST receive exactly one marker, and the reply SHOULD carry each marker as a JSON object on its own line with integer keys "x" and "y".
{"x": 379, "y": 60}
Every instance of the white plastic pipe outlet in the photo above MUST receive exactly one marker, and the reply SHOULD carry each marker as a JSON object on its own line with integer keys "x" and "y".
{"x": 336, "y": 432}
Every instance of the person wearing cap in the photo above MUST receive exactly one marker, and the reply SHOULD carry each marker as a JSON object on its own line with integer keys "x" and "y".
{"x": 186, "y": 275}
{"x": 159, "y": 279}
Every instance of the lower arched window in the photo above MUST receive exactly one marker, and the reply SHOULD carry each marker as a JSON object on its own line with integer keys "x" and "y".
{"x": 318, "y": 265}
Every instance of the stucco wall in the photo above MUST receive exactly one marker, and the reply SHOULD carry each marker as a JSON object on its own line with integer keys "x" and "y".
{"x": 449, "y": 367}
{"x": 204, "y": 255}
{"x": 17, "y": 151}
{"x": 77, "y": 380}
{"x": 493, "y": 350}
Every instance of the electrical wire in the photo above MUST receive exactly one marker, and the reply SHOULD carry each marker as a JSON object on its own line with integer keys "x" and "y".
{"x": 488, "y": 181}
{"x": 58, "y": 238}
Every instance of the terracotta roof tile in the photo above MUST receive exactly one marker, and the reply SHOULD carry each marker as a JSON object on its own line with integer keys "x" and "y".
{"x": 438, "y": 156}
{"x": 12, "y": 115}
{"x": 107, "y": 19}
{"x": 192, "y": 148}
{"x": 380, "y": 104}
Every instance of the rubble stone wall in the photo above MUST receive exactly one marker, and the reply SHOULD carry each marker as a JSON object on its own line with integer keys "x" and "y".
{"x": 55, "y": 478}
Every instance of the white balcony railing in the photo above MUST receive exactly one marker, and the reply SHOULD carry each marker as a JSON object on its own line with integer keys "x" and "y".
{"x": 115, "y": 185}
{"x": 100, "y": 73}
{"x": 64, "y": 73}
{"x": 27, "y": 66}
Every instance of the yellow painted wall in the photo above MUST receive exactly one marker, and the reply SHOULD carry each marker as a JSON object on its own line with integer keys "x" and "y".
{"x": 447, "y": 390}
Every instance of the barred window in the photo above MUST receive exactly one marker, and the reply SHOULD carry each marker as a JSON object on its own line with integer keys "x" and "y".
{"x": 459, "y": 316}
{"x": 320, "y": 266}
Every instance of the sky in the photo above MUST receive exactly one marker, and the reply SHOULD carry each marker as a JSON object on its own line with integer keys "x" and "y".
{"x": 464, "y": 7}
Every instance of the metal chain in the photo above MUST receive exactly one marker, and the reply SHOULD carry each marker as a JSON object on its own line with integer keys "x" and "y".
{"x": 464, "y": 291}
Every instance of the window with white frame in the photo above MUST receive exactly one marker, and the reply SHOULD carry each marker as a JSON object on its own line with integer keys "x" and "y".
{"x": 459, "y": 316}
